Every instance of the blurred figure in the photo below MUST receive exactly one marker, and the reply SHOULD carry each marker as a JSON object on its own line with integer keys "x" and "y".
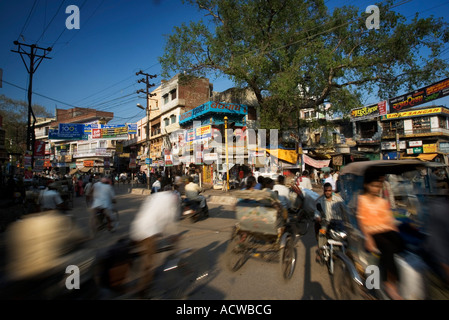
{"x": 50, "y": 199}
{"x": 38, "y": 248}
{"x": 259, "y": 184}
{"x": 157, "y": 185}
{"x": 88, "y": 191}
{"x": 304, "y": 181}
{"x": 193, "y": 191}
{"x": 328, "y": 179}
{"x": 387, "y": 192}
{"x": 436, "y": 250}
{"x": 378, "y": 225}
{"x": 250, "y": 183}
{"x": 268, "y": 183}
{"x": 104, "y": 198}
{"x": 283, "y": 192}
{"x": 156, "y": 216}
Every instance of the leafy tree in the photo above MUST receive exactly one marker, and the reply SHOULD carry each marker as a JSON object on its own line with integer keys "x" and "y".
{"x": 298, "y": 54}
{"x": 15, "y": 120}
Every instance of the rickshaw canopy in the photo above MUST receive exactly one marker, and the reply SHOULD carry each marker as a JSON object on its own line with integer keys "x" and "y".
{"x": 359, "y": 168}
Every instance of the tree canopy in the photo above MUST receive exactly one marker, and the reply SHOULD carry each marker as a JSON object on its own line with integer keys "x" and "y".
{"x": 15, "y": 119}
{"x": 299, "y": 54}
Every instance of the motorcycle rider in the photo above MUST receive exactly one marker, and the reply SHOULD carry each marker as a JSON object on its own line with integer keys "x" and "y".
{"x": 192, "y": 191}
{"x": 104, "y": 198}
{"x": 157, "y": 216}
{"x": 332, "y": 209}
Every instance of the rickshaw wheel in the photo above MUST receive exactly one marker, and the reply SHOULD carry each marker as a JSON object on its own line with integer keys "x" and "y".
{"x": 236, "y": 254}
{"x": 344, "y": 287}
{"x": 288, "y": 258}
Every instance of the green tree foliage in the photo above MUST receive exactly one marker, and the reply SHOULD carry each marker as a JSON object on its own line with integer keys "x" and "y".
{"x": 15, "y": 120}
{"x": 297, "y": 54}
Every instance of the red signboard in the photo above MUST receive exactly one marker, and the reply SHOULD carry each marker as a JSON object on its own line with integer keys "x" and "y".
{"x": 39, "y": 148}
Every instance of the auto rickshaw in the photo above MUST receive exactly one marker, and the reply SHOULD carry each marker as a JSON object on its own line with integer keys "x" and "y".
{"x": 414, "y": 187}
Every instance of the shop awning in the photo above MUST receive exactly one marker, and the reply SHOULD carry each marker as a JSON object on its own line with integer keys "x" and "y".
{"x": 73, "y": 171}
{"x": 421, "y": 156}
{"x": 427, "y": 156}
{"x": 286, "y": 155}
{"x": 85, "y": 169}
{"x": 315, "y": 163}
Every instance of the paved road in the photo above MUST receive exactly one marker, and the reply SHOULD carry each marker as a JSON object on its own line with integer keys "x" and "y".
{"x": 256, "y": 280}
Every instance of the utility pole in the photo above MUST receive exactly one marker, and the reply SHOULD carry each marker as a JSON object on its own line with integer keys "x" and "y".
{"x": 35, "y": 60}
{"x": 146, "y": 80}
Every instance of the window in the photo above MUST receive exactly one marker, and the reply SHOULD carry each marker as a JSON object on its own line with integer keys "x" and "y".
{"x": 173, "y": 94}
{"x": 165, "y": 97}
{"x": 166, "y": 121}
{"x": 442, "y": 122}
{"x": 421, "y": 123}
{"x": 172, "y": 119}
{"x": 138, "y": 132}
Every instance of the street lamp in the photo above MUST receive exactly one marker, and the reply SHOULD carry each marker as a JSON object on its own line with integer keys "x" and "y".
{"x": 226, "y": 146}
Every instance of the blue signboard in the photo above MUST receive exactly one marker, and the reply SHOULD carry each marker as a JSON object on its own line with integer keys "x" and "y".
{"x": 54, "y": 134}
{"x": 230, "y": 109}
{"x": 132, "y": 128}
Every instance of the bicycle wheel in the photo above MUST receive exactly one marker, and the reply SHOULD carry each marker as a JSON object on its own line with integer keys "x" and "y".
{"x": 303, "y": 223}
{"x": 115, "y": 219}
{"x": 288, "y": 259}
{"x": 236, "y": 253}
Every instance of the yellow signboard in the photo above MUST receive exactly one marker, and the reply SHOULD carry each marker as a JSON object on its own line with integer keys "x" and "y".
{"x": 413, "y": 113}
{"x": 429, "y": 148}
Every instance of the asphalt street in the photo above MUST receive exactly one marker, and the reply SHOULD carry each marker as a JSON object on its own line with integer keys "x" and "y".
{"x": 256, "y": 280}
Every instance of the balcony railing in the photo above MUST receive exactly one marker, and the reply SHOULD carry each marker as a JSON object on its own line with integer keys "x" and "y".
{"x": 391, "y": 133}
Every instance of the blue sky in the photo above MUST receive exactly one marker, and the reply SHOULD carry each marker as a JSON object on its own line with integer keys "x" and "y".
{"x": 117, "y": 38}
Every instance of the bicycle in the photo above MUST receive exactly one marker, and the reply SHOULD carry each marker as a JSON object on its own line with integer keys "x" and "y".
{"x": 98, "y": 221}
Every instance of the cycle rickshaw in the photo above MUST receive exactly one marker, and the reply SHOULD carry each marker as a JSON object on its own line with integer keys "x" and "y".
{"x": 262, "y": 231}
{"x": 414, "y": 190}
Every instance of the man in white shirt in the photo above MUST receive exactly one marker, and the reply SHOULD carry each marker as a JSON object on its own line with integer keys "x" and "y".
{"x": 50, "y": 199}
{"x": 193, "y": 191}
{"x": 156, "y": 187}
{"x": 304, "y": 181}
{"x": 156, "y": 216}
{"x": 283, "y": 192}
{"x": 103, "y": 198}
{"x": 328, "y": 179}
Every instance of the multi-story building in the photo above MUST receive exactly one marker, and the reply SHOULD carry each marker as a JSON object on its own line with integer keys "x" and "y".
{"x": 88, "y": 154}
{"x": 173, "y": 98}
{"x": 421, "y": 133}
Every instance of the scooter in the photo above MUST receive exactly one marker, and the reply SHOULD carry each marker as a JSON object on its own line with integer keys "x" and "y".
{"x": 192, "y": 211}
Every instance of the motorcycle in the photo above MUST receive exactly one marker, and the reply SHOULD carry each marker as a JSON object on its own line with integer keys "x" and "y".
{"x": 331, "y": 241}
{"x": 175, "y": 278}
{"x": 191, "y": 210}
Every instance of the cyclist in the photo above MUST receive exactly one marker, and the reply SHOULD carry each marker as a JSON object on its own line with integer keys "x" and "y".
{"x": 103, "y": 199}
